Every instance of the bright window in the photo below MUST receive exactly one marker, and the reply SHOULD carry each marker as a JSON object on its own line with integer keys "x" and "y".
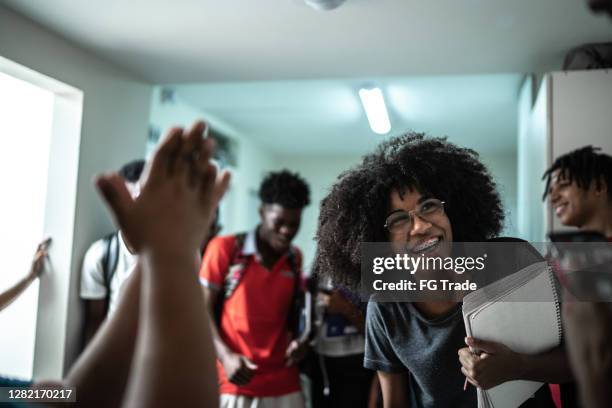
{"x": 26, "y": 114}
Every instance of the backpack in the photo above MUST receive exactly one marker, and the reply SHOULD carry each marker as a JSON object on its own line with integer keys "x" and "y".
{"x": 236, "y": 270}
{"x": 110, "y": 259}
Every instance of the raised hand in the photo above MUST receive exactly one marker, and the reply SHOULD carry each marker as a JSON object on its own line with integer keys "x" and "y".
{"x": 38, "y": 262}
{"x": 180, "y": 191}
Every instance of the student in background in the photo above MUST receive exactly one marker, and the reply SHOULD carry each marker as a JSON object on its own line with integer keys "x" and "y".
{"x": 156, "y": 351}
{"x": 107, "y": 264}
{"x": 577, "y": 185}
{"x": 339, "y": 378}
{"x": 251, "y": 282}
{"x": 8, "y": 296}
{"x": 423, "y": 193}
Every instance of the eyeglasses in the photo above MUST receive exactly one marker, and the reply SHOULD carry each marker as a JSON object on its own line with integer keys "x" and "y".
{"x": 402, "y": 221}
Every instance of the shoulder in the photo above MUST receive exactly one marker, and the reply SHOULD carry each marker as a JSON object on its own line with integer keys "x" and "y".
{"x": 377, "y": 311}
{"x": 95, "y": 251}
{"x": 97, "y": 246}
{"x": 222, "y": 242}
{"x": 388, "y": 314}
{"x": 221, "y": 247}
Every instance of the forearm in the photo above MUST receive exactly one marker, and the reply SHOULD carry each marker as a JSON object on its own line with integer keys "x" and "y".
{"x": 90, "y": 330}
{"x": 550, "y": 367}
{"x": 172, "y": 303}
{"x": 100, "y": 374}
{"x": 394, "y": 390}
{"x": 7, "y": 297}
{"x": 221, "y": 349}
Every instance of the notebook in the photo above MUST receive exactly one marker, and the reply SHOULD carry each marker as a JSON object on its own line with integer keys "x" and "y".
{"x": 522, "y": 312}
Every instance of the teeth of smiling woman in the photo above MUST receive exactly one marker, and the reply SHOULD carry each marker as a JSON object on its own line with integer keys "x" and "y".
{"x": 426, "y": 245}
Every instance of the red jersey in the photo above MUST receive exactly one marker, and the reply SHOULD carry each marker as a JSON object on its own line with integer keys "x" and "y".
{"x": 254, "y": 317}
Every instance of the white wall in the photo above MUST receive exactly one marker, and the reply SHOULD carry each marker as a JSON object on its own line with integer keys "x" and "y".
{"x": 503, "y": 168}
{"x": 533, "y": 160}
{"x": 114, "y": 125}
{"x": 581, "y": 114}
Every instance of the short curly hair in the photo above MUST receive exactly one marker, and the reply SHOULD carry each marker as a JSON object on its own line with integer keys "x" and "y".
{"x": 355, "y": 209}
{"x": 286, "y": 189}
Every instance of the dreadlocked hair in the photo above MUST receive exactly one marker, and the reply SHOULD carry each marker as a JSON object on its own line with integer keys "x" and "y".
{"x": 355, "y": 209}
{"x": 584, "y": 166}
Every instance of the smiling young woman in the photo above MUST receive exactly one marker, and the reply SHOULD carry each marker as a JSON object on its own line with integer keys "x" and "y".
{"x": 425, "y": 193}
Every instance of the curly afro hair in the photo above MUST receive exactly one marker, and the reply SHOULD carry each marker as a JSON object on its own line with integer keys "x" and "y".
{"x": 284, "y": 188}
{"x": 584, "y": 166}
{"x": 355, "y": 209}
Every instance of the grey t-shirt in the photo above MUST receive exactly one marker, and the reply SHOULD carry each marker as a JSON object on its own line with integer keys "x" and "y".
{"x": 400, "y": 339}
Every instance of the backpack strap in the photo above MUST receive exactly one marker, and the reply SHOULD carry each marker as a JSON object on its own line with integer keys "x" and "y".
{"x": 235, "y": 271}
{"x": 297, "y": 300}
{"x": 110, "y": 259}
{"x": 237, "y": 267}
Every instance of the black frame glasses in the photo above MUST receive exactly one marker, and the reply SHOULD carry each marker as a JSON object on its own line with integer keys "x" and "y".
{"x": 401, "y": 220}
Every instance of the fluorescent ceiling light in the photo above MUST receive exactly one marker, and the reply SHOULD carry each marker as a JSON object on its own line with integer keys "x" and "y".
{"x": 324, "y": 4}
{"x": 375, "y": 109}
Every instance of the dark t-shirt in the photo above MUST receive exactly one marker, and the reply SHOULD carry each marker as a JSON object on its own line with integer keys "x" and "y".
{"x": 400, "y": 339}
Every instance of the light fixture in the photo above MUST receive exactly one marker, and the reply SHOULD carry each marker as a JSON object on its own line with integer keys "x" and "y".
{"x": 324, "y": 4}
{"x": 374, "y": 105}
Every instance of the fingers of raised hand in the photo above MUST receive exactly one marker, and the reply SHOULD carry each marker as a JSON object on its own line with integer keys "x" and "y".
{"x": 187, "y": 164}
{"x": 164, "y": 159}
{"x": 214, "y": 186}
{"x": 116, "y": 195}
{"x": 39, "y": 261}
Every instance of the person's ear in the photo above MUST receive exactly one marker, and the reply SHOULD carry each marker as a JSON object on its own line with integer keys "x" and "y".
{"x": 601, "y": 187}
{"x": 262, "y": 211}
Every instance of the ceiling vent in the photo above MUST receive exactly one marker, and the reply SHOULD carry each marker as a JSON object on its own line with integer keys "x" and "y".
{"x": 324, "y": 5}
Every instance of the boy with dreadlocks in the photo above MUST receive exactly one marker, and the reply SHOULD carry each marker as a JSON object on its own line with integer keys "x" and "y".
{"x": 423, "y": 193}
{"x": 251, "y": 283}
{"x": 578, "y": 186}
